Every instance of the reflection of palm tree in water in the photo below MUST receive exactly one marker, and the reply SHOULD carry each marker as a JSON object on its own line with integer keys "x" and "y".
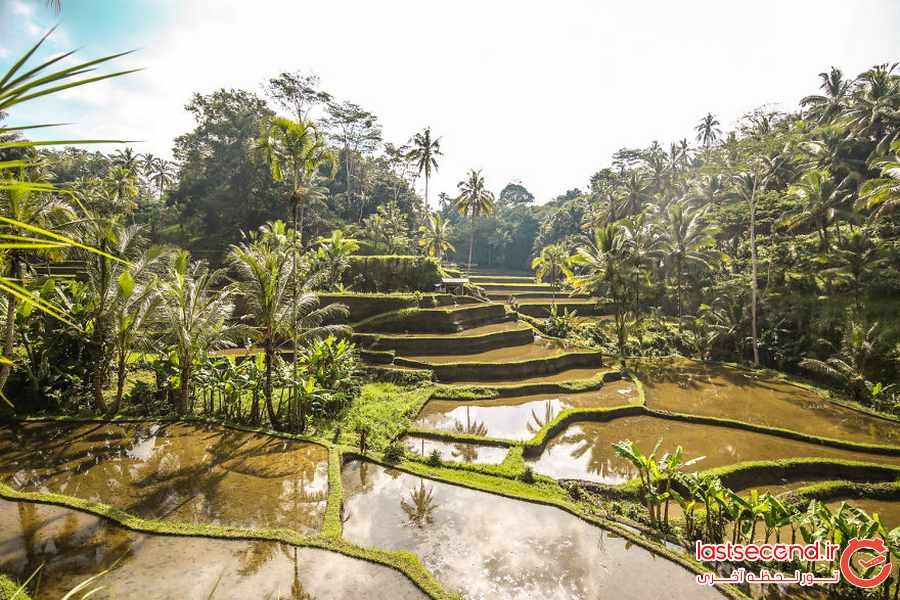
{"x": 599, "y": 461}
{"x": 468, "y": 452}
{"x": 421, "y": 506}
{"x": 536, "y": 423}
{"x": 261, "y": 553}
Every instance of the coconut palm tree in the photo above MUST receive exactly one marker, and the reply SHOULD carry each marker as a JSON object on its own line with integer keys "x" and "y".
{"x": 686, "y": 240}
{"x": 122, "y": 297}
{"x": 127, "y": 160}
{"x": 883, "y": 193}
{"x": 819, "y": 197}
{"x": 196, "y": 306}
{"x": 333, "y": 256}
{"x": 708, "y": 132}
{"x": 474, "y": 201}
{"x": 435, "y": 240}
{"x": 263, "y": 265}
{"x": 824, "y": 107}
{"x": 294, "y": 151}
{"x": 424, "y": 153}
{"x": 553, "y": 265}
{"x": 162, "y": 174}
{"x": 23, "y": 210}
{"x": 603, "y": 269}
{"x": 635, "y": 192}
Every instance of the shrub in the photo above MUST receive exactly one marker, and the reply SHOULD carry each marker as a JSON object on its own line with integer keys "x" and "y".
{"x": 392, "y": 273}
{"x": 394, "y": 453}
{"x": 434, "y": 459}
{"x": 528, "y": 475}
{"x": 559, "y": 324}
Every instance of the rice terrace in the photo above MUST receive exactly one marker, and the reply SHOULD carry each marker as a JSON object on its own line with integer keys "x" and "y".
{"x": 259, "y": 341}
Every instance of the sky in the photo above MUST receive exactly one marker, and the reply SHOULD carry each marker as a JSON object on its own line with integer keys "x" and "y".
{"x": 536, "y": 92}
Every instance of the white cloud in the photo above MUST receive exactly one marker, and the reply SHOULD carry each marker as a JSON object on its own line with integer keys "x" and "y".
{"x": 21, "y": 9}
{"x": 517, "y": 88}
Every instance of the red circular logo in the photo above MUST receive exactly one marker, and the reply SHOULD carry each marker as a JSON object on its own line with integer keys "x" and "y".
{"x": 880, "y": 557}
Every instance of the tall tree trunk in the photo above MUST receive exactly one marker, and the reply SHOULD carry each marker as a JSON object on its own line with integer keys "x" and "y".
{"x": 426, "y": 191}
{"x": 753, "y": 269}
{"x": 267, "y": 385}
{"x": 184, "y": 388}
{"x": 121, "y": 371}
{"x": 100, "y": 365}
{"x": 9, "y": 333}
{"x": 471, "y": 243}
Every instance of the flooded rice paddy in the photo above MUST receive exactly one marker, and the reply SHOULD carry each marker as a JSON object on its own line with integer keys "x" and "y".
{"x": 584, "y": 450}
{"x": 456, "y": 451}
{"x": 518, "y": 417}
{"x": 180, "y": 472}
{"x": 487, "y": 546}
{"x": 73, "y": 546}
{"x": 687, "y": 386}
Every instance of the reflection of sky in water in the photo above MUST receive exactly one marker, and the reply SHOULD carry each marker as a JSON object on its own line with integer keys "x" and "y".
{"x": 457, "y": 451}
{"x": 73, "y": 546}
{"x": 493, "y": 547}
{"x": 518, "y": 417}
{"x": 585, "y": 450}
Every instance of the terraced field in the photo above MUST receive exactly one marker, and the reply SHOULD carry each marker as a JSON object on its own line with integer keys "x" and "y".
{"x": 318, "y": 519}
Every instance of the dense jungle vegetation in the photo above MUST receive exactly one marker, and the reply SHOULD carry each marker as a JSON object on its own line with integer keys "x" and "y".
{"x": 773, "y": 243}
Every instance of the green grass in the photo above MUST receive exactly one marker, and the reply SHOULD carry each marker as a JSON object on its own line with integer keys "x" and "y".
{"x": 8, "y": 589}
{"x": 386, "y": 409}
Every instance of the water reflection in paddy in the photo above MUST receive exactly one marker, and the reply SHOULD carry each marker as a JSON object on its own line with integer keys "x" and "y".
{"x": 73, "y": 546}
{"x": 584, "y": 450}
{"x": 488, "y": 546}
{"x": 188, "y": 473}
{"x": 518, "y": 417}
{"x": 457, "y": 451}
{"x": 687, "y": 386}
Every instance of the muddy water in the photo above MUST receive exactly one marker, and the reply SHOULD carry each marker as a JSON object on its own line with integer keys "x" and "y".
{"x": 536, "y": 349}
{"x": 567, "y": 375}
{"x": 74, "y": 546}
{"x": 457, "y": 451}
{"x": 518, "y": 417}
{"x": 186, "y": 473}
{"x": 584, "y": 450}
{"x": 487, "y": 546}
{"x": 687, "y": 386}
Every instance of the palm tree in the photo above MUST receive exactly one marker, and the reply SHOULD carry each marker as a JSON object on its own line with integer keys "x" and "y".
{"x": 824, "y": 108}
{"x": 474, "y": 200}
{"x": 636, "y": 190}
{"x": 294, "y": 150}
{"x": 263, "y": 264}
{"x": 708, "y": 132}
{"x": 603, "y": 269}
{"x": 123, "y": 296}
{"x": 333, "y": 255}
{"x": 17, "y": 88}
{"x": 552, "y": 265}
{"x": 24, "y": 210}
{"x": 883, "y": 193}
{"x": 424, "y": 153}
{"x": 162, "y": 174}
{"x": 127, "y": 160}
{"x": 818, "y": 197}
{"x": 435, "y": 238}
{"x": 686, "y": 240}
{"x": 196, "y": 305}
